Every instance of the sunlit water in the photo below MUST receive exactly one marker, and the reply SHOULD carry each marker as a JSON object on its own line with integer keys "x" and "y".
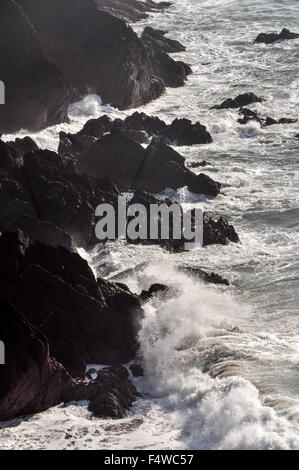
{"x": 221, "y": 364}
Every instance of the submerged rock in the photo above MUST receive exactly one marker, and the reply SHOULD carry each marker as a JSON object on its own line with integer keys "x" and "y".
{"x": 198, "y": 164}
{"x": 270, "y": 121}
{"x": 210, "y": 278}
{"x": 249, "y": 115}
{"x": 269, "y": 38}
{"x": 219, "y": 231}
{"x": 155, "y": 289}
{"x": 110, "y": 395}
{"x": 240, "y": 101}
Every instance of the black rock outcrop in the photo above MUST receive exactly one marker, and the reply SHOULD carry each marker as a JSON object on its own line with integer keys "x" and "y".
{"x": 270, "y": 38}
{"x": 36, "y": 93}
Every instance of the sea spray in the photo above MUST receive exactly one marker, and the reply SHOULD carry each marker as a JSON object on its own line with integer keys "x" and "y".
{"x": 210, "y": 412}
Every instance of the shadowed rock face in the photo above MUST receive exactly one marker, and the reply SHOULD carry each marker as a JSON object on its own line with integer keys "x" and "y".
{"x": 269, "y": 38}
{"x": 132, "y": 167}
{"x": 30, "y": 380}
{"x": 37, "y": 95}
{"x": 110, "y": 394}
{"x": 159, "y": 40}
{"x": 84, "y": 320}
{"x": 47, "y": 199}
{"x": 60, "y": 50}
{"x": 96, "y": 51}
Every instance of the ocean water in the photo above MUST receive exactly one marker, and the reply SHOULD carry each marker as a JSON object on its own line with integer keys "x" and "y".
{"x": 221, "y": 364}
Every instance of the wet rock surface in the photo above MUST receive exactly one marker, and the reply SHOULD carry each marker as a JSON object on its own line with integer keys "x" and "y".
{"x": 110, "y": 395}
{"x": 249, "y": 115}
{"x": 270, "y": 38}
{"x": 46, "y": 198}
{"x": 240, "y": 101}
{"x": 56, "y": 291}
{"x": 31, "y": 380}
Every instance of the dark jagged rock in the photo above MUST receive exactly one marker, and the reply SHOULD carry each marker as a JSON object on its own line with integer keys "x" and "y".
{"x": 171, "y": 244}
{"x": 210, "y": 278}
{"x": 97, "y": 127}
{"x": 91, "y": 41}
{"x": 71, "y": 146}
{"x": 219, "y": 232}
{"x": 183, "y": 132}
{"x": 135, "y": 133}
{"x": 155, "y": 289}
{"x": 172, "y": 73}
{"x": 131, "y": 10}
{"x": 249, "y": 115}
{"x": 23, "y": 146}
{"x": 215, "y": 231}
{"x": 159, "y": 40}
{"x": 152, "y": 125}
{"x": 269, "y": 38}
{"x": 10, "y": 159}
{"x": 240, "y": 101}
{"x": 37, "y": 95}
{"x": 203, "y": 184}
{"x": 165, "y": 168}
{"x": 137, "y": 370}
{"x": 132, "y": 167}
{"x": 270, "y": 121}
{"x": 83, "y": 319}
{"x": 48, "y": 200}
{"x": 179, "y": 132}
{"x": 198, "y": 164}
{"x": 162, "y": 168}
{"x": 111, "y": 394}
{"x": 115, "y": 157}
{"x": 30, "y": 381}
{"x": 138, "y": 127}
{"x": 287, "y": 121}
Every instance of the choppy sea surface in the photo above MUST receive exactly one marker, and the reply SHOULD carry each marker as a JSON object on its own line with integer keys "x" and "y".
{"x": 221, "y": 364}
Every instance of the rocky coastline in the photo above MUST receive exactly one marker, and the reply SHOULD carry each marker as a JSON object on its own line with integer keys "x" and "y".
{"x": 56, "y": 317}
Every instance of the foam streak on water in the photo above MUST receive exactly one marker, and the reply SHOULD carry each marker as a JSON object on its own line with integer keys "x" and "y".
{"x": 222, "y": 365}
